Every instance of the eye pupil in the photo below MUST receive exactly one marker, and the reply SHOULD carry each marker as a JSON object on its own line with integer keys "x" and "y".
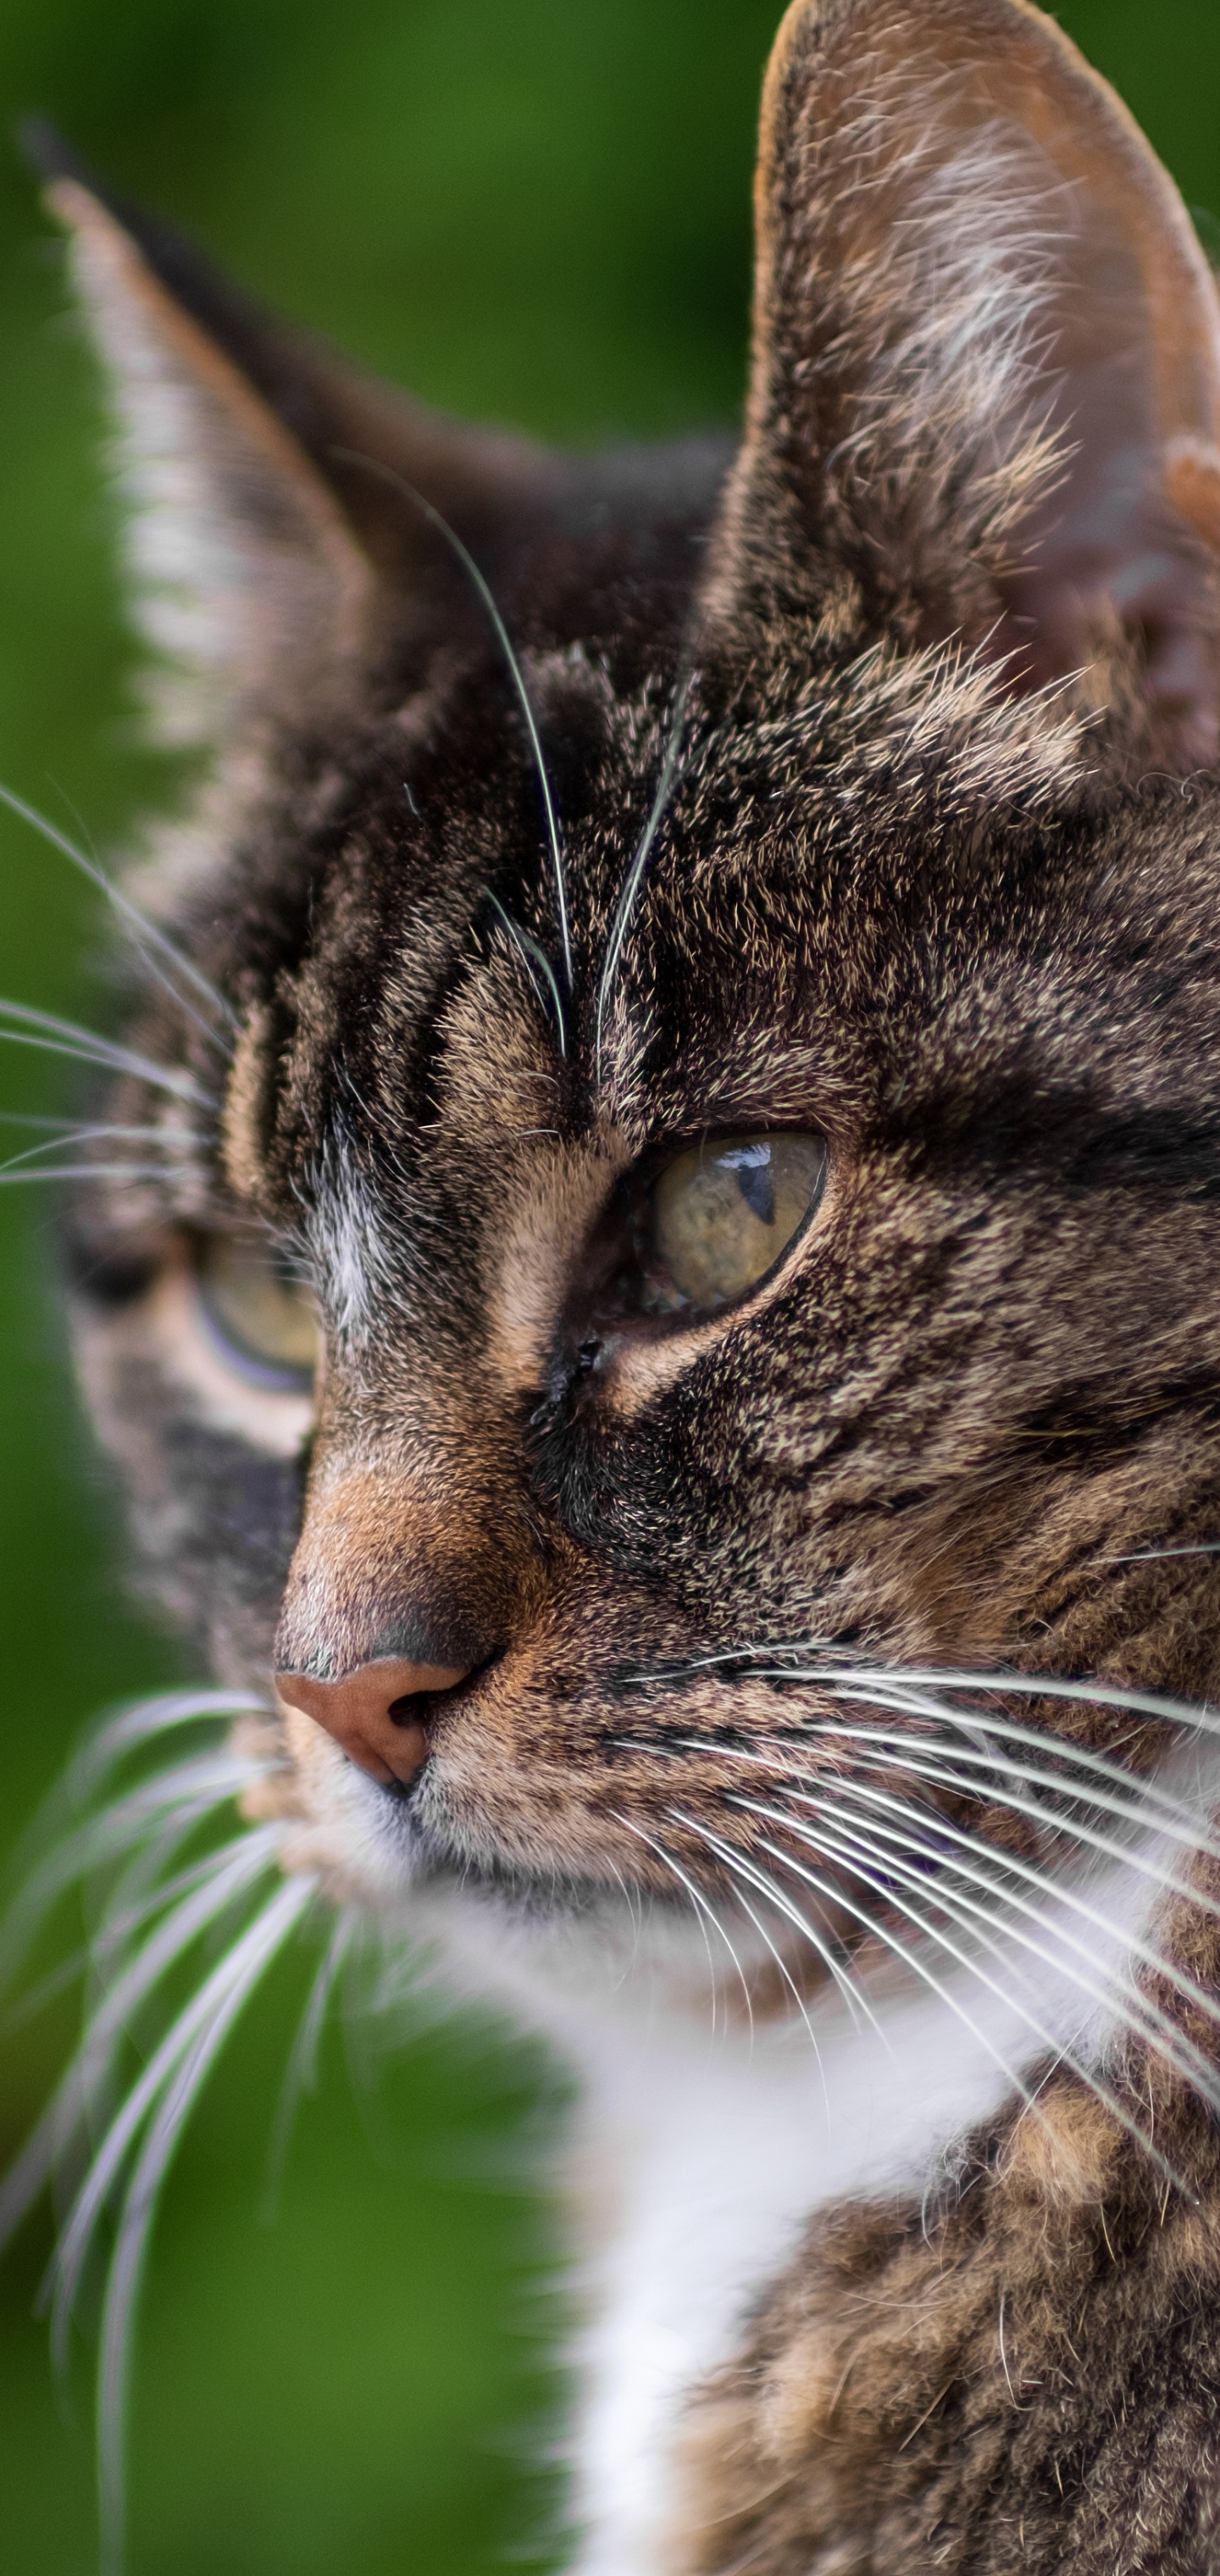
{"x": 752, "y": 1164}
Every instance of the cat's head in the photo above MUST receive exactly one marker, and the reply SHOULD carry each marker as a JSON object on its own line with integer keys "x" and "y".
{"x": 682, "y": 1170}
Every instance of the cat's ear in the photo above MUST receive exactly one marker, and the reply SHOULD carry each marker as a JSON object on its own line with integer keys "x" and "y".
{"x": 272, "y": 542}
{"x": 986, "y": 381}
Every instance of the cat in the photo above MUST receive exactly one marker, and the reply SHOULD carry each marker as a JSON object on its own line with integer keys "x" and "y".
{"x": 650, "y": 1261}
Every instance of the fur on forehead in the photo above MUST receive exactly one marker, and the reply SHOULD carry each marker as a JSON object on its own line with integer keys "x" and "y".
{"x": 855, "y": 757}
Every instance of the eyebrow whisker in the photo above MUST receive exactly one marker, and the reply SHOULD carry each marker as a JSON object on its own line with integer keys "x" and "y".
{"x": 534, "y": 957}
{"x": 635, "y": 873}
{"x": 385, "y": 474}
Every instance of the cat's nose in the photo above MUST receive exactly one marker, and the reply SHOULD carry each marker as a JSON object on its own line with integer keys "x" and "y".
{"x": 376, "y": 1713}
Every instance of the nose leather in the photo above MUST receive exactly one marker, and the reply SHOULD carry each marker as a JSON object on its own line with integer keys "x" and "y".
{"x": 370, "y": 1712}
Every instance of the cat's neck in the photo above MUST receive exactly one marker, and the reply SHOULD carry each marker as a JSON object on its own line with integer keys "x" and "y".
{"x": 704, "y": 2144}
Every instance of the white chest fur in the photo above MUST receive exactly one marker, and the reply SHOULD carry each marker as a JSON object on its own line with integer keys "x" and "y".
{"x": 716, "y": 2155}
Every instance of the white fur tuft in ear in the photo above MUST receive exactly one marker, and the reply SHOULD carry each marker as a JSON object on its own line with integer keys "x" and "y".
{"x": 986, "y": 391}
{"x": 248, "y": 581}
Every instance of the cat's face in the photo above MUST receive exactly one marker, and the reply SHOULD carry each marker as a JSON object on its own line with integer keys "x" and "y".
{"x": 593, "y": 1289}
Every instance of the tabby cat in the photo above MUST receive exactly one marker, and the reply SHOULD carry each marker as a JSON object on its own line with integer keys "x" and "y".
{"x": 651, "y": 1257}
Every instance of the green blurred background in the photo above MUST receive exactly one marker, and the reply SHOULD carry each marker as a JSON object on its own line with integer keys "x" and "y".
{"x": 533, "y": 211}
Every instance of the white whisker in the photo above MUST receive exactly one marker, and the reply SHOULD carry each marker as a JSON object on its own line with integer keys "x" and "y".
{"x": 704, "y": 1913}
{"x": 536, "y": 963}
{"x": 992, "y": 1871}
{"x": 68, "y": 1132}
{"x": 914, "y": 1697}
{"x": 156, "y": 1915}
{"x": 301, "y": 2073}
{"x": 1104, "y": 1784}
{"x": 954, "y": 1768}
{"x": 224, "y": 1876}
{"x": 1142, "y": 1799}
{"x": 146, "y": 934}
{"x": 142, "y": 1892}
{"x": 123, "y": 1918}
{"x": 110, "y": 1172}
{"x": 187, "y": 1793}
{"x": 904, "y": 1692}
{"x": 842, "y": 1669}
{"x": 837, "y": 1895}
{"x": 847, "y": 1676}
{"x": 79, "y": 1136}
{"x": 481, "y": 585}
{"x": 1155, "y": 1555}
{"x": 142, "y": 1719}
{"x": 1136, "y": 2013}
{"x": 229, "y": 1982}
{"x": 826, "y": 1800}
{"x": 635, "y": 873}
{"x": 855, "y": 1854}
{"x": 55, "y": 1036}
{"x": 745, "y": 1880}
{"x": 1145, "y": 1805}
{"x": 230, "y": 1989}
{"x": 740, "y": 1862}
{"x": 59, "y": 1127}
{"x": 825, "y": 1951}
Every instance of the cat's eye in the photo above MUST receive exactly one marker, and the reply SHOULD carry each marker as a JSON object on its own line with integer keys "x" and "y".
{"x": 259, "y": 1313}
{"x": 721, "y": 1215}
{"x": 706, "y": 1226}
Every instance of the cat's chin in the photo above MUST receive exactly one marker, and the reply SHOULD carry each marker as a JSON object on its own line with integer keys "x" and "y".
{"x": 573, "y": 1959}
{"x": 549, "y": 1945}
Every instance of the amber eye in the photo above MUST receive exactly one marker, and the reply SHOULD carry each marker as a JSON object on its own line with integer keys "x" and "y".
{"x": 717, "y": 1218}
{"x": 261, "y": 1315}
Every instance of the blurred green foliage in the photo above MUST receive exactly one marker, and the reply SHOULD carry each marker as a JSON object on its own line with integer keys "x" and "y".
{"x": 529, "y": 210}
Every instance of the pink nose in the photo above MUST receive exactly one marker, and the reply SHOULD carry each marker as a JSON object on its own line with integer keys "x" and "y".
{"x": 372, "y": 1712}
